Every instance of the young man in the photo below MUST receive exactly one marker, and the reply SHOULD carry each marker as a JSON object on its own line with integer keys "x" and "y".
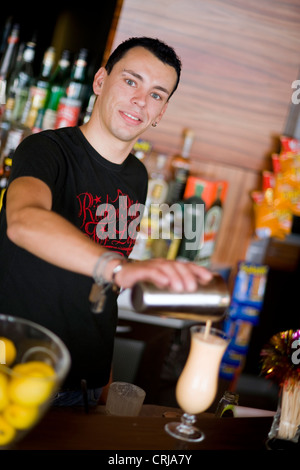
{"x": 53, "y": 245}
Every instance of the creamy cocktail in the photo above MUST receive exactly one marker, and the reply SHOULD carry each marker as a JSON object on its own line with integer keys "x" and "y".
{"x": 197, "y": 385}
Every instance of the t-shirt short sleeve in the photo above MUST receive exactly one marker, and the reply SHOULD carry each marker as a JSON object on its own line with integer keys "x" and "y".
{"x": 40, "y": 157}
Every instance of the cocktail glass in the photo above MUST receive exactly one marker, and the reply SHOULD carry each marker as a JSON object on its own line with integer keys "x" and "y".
{"x": 197, "y": 385}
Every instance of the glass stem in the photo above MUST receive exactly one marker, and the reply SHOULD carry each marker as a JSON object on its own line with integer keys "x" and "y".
{"x": 187, "y": 422}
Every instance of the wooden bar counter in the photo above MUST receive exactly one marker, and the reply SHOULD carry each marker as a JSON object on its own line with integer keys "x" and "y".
{"x": 74, "y": 429}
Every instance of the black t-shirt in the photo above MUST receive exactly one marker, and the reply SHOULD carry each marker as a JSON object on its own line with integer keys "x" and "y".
{"x": 86, "y": 189}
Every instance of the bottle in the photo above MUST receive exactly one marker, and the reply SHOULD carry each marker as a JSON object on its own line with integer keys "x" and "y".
{"x": 38, "y": 125}
{"x": 5, "y": 34}
{"x": 159, "y": 213}
{"x": 5, "y": 125}
{"x": 38, "y": 92}
{"x": 193, "y": 225}
{"x": 21, "y": 81}
{"x": 180, "y": 168}
{"x": 166, "y": 242}
{"x": 56, "y": 90}
{"x": 75, "y": 96}
{"x": 154, "y": 244}
{"x": 214, "y": 213}
{"x": 142, "y": 151}
{"x": 226, "y": 405}
{"x": 89, "y": 108}
{"x": 158, "y": 181}
{"x": 8, "y": 60}
{"x": 17, "y": 65}
{"x": 213, "y": 217}
{"x": 76, "y": 85}
{"x": 17, "y": 132}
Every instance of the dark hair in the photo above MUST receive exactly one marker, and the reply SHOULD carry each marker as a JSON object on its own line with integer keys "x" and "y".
{"x": 158, "y": 48}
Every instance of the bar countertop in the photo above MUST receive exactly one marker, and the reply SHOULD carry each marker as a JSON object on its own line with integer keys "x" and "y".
{"x": 74, "y": 429}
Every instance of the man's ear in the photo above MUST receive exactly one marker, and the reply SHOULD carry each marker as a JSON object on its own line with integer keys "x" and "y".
{"x": 98, "y": 80}
{"x": 161, "y": 113}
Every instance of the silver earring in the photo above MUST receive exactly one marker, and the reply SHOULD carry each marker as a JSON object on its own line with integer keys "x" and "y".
{"x": 154, "y": 124}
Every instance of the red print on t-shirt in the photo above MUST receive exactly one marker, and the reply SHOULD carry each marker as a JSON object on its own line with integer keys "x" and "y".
{"x": 111, "y": 222}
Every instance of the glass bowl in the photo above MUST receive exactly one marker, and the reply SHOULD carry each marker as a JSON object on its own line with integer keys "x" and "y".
{"x": 33, "y": 364}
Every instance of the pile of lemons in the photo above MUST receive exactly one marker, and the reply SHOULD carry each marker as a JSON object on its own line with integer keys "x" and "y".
{"x": 23, "y": 389}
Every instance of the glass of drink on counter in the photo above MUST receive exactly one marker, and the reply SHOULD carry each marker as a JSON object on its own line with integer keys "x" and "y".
{"x": 197, "y": 385}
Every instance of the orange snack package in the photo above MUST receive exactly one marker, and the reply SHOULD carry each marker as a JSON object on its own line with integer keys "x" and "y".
{"x": 272, "y": 216}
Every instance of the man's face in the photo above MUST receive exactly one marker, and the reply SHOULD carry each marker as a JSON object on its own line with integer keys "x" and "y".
{"x": 134, "y": 94}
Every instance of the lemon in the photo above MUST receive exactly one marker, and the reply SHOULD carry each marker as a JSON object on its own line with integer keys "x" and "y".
{"x": 32, "y": 384}
{"x": 3, "y": 391}
{"x": 8, "y": 351}
{"x": 34, "y": 369}
{"x": 20, "y": 417}
{"x": 7, "y": 432}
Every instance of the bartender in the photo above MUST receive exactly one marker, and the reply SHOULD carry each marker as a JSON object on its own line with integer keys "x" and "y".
{"x": 62, "y": 246}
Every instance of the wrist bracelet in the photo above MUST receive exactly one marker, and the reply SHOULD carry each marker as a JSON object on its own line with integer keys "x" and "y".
{"x": 101, "y": 264}
{"x": 116, "y": 269}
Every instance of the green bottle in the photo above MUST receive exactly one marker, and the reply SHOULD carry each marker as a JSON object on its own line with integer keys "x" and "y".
{"x": 40, "y": 88}
{"x": 56, "y": 90}
{"x": 213, "y": 219}
{"x": 75, "y": 98}
{"x": 193, "y": 225}
{"x": 76, "y": 86}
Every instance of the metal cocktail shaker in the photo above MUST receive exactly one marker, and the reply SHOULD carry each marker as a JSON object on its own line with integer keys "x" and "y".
{"x": 208, "y": 302}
